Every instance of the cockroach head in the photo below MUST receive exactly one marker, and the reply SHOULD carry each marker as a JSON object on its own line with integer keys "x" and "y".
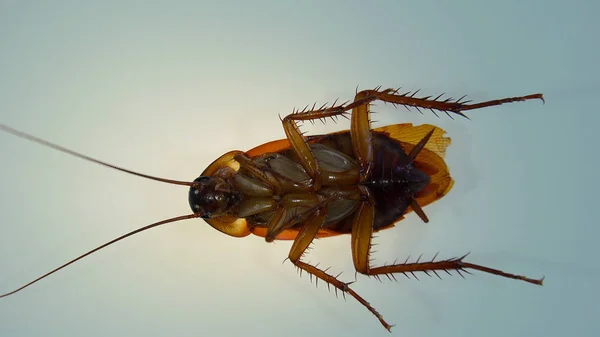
{"x": 210, "y": 197}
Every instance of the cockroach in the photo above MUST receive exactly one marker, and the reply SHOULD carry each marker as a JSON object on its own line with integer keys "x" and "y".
{"x": 358, "y": 182}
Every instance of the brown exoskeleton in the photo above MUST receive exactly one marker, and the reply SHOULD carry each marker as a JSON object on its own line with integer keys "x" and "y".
{"x": 355, "y": 182}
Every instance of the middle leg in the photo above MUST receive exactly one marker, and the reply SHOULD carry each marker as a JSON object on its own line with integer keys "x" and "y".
{"x": 304, "y": 238}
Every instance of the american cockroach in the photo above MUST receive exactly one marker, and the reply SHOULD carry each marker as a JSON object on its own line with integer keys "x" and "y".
{"x": 358, "y": 182}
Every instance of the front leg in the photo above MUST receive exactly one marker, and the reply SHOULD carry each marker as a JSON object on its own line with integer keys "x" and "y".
{"x": 360, "y": 133}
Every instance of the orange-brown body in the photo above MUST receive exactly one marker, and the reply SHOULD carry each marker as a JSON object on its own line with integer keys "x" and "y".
{"x": 391, "y": 145}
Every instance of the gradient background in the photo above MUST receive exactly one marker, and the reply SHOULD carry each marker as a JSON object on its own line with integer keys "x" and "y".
{"x": 166, "y": 87}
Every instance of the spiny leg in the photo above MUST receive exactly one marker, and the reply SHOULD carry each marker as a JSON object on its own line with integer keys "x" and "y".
{"x": 360, "y": 134}
{"x": 456, "y": 106}
{"x": 300, "y": 146}
{"x": 362, "y": 233}
{"x": 390, "y": 95}
{"x": 344, "y": 287}
{"x": 304, "y": 238}
{"x": 360, "y": 122}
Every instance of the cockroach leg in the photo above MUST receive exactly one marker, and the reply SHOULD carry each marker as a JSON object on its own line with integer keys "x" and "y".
{"x": 360, "y": 134}
{"x": 307, "y": 233}
{"x": 293, "y": 208}
{"x": 279, "y": 183}
{"x": 361, "y": 125}
{"x": 299, "y": 144}
{"x": 455, "y": 106}
{"x": 277, "y": 224}
{"x": 362, "y": 232}
{"x": 304, "y": 238}
{"x": 502, "y": 101}
{"x": 448, "y": 265}
{"x": 360, "y": 131}
{"x": 344, "y": 287}
{"x": 259, "y": 172}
